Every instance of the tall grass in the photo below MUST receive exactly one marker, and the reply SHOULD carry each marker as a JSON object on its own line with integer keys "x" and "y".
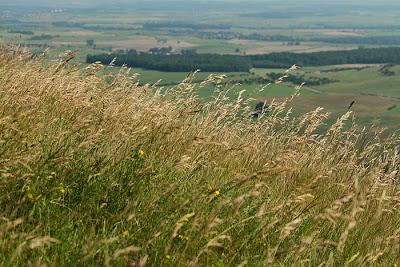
{"x": 101, "y": 171}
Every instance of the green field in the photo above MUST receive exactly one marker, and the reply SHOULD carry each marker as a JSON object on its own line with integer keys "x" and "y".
{"x": 376, "y": 96}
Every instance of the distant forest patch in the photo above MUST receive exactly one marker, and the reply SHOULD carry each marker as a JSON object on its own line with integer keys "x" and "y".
{"x": 92, "y": 27}
{"x": 21, "y": 32}
{"x": 357, "y": 56}
{"x": 43, "y": 37}
{"x": 236, "y": 63}
{"x": 176, "y": 63}
{"x": 182, "y": 24}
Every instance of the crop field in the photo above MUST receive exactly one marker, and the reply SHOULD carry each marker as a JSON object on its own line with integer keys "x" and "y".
{"x": 376, "y": 96}
{"x": 265, "y": 47}
{"x": 205, "y": 31}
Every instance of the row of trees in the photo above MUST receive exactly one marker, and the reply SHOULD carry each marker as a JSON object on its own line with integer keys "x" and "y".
{"x": 358, "y": 40}
{"x": 236, "y": 63}
{"x": 291, "y": 78}
{"x": 93, "y": 27}
{"x": 176, "y": 63}
{"x": 43, "y": 37}
{"x": 24, "y": 32}
{"x": 357, "y": 56}
{"x": 298, "y": 79}
{"x": 183, "y": 24}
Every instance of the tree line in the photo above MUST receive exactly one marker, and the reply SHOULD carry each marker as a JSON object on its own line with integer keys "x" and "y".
{"x": 182, "y": 24}
{"x": 176, "y": 63}
{"x": 325, "y": 58}
{"x": 21, "y": 32}
{"x": 237, "y": 63}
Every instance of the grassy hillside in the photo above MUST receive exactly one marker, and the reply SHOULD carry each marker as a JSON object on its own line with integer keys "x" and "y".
{"x": 101, "y": 171}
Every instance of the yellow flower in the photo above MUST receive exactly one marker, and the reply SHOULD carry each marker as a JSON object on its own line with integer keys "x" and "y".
{"x": 183, "y": 238}
{"x": 30, "y": 196}
{"x": 141, "y": 153}
{"x": 62, "y": 190}
{"x": 168, "y": 257}
{"x": 125, "y": 234}
{"x": 210, "y": 188}
{"x": 213, "y": 190}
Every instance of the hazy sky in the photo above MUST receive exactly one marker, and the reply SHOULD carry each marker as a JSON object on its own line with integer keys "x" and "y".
{"x": 99, "y": 2}
{"x": 120, "y": 3}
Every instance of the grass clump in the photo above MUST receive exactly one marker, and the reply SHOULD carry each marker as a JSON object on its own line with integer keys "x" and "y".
{"x": 102, "y": 171}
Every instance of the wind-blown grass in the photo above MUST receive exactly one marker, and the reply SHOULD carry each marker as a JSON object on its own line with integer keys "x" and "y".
{"x": 101, "y": 171}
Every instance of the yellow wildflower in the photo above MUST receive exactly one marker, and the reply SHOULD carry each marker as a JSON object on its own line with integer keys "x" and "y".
{"x": 141, "y": 153}
{"x": 213, "y": 190}
{"x": 183, "y": 238}
{"x": 30, "y": 196}
{"x": 168, "y": 257}
{"x": 210, "y": 188}
{"x": 125, "y": 234}
{"x": 62, "y": 190}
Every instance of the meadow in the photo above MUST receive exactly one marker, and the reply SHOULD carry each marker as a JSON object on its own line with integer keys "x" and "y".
{"x": 108, "y": 166}
{"x": 99, "y": 170}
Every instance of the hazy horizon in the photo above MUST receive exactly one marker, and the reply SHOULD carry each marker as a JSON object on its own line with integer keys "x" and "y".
{"x": 308, "y": 6}
{"x": 102, "y": 2}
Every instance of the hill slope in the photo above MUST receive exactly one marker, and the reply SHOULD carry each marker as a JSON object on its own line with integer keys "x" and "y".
{"x": 100, "y": 171}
